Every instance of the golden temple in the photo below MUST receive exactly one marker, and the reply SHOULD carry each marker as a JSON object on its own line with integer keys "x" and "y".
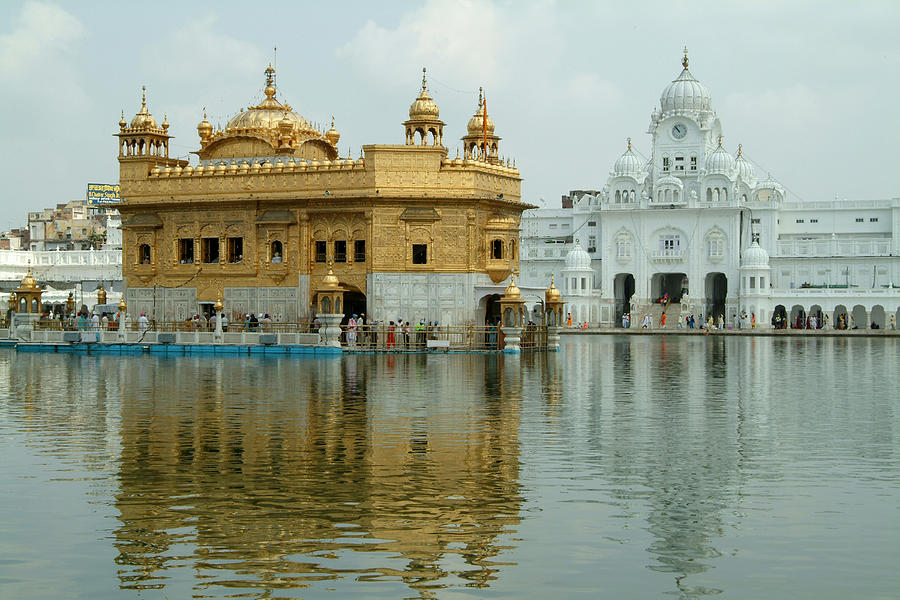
{"x": 411, "y": 232}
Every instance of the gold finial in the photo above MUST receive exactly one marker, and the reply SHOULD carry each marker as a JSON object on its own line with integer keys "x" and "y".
{"x": 204, "y": 113}
{"x": 740, "y": 151}
{"x": 270, "y": 76}
{"x": 480, "y": 96}
{"x": 629, "y": 143}
{"x": 423, "y": 80}
{"x": 684, "y": 61}
{"x": 332, "y": 121}
{"x": 720, "y": 141}
{"x": 143, "y": 98}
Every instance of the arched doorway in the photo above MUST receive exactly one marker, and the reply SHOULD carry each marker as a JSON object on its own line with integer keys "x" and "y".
{"x": 716, "y": 292}
{"x": 491, "y": 309}
{"x": 860, "y": 318}
{"x": 876, "y": 317}
{"x": 779, "y": 317}
{"x": 798, "y": 317}
{"x": 623, "y": 285}
{"x": 816, "y": 311}
{"x": 354, "y": 304}
{"x": 673, "y": 284}
{"x": 840, "y": 319}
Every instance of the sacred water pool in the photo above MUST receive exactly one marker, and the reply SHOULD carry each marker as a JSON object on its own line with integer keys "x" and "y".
{"x": 622, "y": 467}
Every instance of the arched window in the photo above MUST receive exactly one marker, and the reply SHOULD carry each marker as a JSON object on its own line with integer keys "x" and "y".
{"x": 497, "y": 249}
{"x": 724, "y": 194}
{"x": 716, "y": 195}
{"x": 618, "y": 197}
{"x": 512, "y": 250}
{"x": 631, "y": 196}
{"x": 144, "y": 254}
{"x": 277, "y": 252}
{"x": 709, "y": 194}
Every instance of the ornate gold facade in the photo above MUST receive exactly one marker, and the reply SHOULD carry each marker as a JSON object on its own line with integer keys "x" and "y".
{"x": 271, "y": 202}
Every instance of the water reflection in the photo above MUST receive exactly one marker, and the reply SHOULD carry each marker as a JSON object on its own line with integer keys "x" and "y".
{"x": 344, "y": 468}
{"x": 643, "y": 462}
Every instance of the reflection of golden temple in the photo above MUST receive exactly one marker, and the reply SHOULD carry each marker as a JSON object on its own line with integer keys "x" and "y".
{"x": 325, "y": 468}
{"x": 271, "y": 199}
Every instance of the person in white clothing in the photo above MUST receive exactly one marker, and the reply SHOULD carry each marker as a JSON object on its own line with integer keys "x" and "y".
{"x": 143, "y": 323}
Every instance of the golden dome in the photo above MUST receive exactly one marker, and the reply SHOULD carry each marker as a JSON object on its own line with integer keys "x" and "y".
{"x": 552, "y": 294}
{"x": 122, "y": 122}
{"x": 28, "y": 283}
{"x": 512, "y": 290}
{"x": 101, "y": 295}
{"x": 476, "y": 123}
{"x": 165, "y": 123}
{"x": 333, "y": 135}
{"x": 268, "y": 114}
{"x": 218, "y": 306}
{"x": 330, "y": 281}
{"x": 204, "y": 128}
{"x": 424, "y": 107}
{"x": 143, "y": 119}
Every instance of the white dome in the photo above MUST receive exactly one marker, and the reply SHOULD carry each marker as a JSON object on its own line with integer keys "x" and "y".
{"x": 628, "y": 164}
{"x": 685, "y": 94}
{"x": 755, "y": 257}
{"x": 577, "y": 259}
{"x": 744, "y": 169}
{"x": 719, "y": 162}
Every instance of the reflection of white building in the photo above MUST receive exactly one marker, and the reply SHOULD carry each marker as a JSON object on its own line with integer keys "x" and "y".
{"x": 684, "y": 221}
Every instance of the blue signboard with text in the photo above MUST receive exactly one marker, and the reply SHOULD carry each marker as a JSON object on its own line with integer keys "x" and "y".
{"x": 103, "y": 193}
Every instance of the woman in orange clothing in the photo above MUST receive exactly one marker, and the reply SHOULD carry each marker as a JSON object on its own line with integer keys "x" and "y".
{"x": 390, "y": 344}
{"x": 569, "y": 320}
{"x": 662, "y": 321}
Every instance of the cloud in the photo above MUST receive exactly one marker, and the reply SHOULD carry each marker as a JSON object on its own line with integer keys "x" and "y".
{"x": 41, "y": 32}
{"x": 465, "y": 42}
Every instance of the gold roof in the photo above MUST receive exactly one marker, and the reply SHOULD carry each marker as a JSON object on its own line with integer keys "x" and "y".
{"x": 512, "y": 290}
{"x": 267, "y": 114}
{"x": 552, "y": 293}
{"x": 143, "y": 119}
{"x": 476, "y": 123}
{"x": 330, "y": 281}
{"x": 28, "y": 283}
{"x": 424, "y": 107}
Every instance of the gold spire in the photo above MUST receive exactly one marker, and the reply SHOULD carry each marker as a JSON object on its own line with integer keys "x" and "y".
{"x": 480, "y": 97}
{"x": 740, "y": 151}
{"x": 720, "y": 141}
{"x": 684, "y": 61}
{"x": 424, "y": 86}
{"x": 629, "y": 143}
{"x": 143, "y": 98}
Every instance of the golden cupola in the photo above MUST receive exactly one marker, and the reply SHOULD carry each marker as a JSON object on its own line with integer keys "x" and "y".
{"x": 204, "y": 128}
{"x": 424, "y": 122}
{"x": 267, "y": 129}
{"x": 480, "y": 142}
{"x": 143, "y": 119}
{"x": 333, "y": 135}
{"x": 143, "y": 138}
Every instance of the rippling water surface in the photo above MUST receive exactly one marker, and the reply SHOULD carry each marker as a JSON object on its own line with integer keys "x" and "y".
{"x": 622, "y": 467}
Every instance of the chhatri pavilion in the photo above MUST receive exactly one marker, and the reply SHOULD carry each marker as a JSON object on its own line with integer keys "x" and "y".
{"x": 269, "y": 205}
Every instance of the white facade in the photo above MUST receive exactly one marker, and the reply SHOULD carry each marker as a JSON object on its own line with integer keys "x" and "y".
{"x": 64, "y": 271}
{"x": 682, "y": 222}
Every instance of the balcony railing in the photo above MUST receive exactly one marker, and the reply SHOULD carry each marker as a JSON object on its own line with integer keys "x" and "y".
{"x": 838, "y": 247}
{"x": 670, "y": 255}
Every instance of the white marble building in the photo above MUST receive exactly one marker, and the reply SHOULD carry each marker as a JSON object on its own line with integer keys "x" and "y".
{"x": 683, "y": 222}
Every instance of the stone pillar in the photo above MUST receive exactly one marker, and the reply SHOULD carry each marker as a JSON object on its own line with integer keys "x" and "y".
{"x": 330, "y": 331}
{"x": 122, "y": 335}
{"x": 511, "y": 338}
{"x": 218, "y": 335}
{"x": 553, "y": 339}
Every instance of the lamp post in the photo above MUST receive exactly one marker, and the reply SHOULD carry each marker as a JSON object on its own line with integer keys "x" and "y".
{"x": 218, "y": 336}
{"x": 122, "y": 307}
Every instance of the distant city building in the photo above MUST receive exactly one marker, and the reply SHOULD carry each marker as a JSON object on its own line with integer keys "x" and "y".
{"x": 75, "y": 225}
{"x": 696, "y": 225}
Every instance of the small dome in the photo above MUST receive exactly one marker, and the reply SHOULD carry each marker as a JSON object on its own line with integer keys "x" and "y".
{"x": 28, "y": 283}
{"x": 476, "y": 124}
{"x": 143, "y": 119}
{"x": 577, "y": 259}
{"x": 204, "y": 128}
{"x": 552, "y": 294}
{"x": 755, "y": 256}
{"x": 165, "y": 123}
{"x": 628, "y": 164}
{"x": 330, "y": 281}
{"x": 268, "y": 114}
{"x": 685, "y": 93}
{"x": 744, "y": 168}
{"x": 333, "y": 135}
{"x": 719, "y": 162}
{"x": 122, "y": 122}
{"x": 512, "y": 290}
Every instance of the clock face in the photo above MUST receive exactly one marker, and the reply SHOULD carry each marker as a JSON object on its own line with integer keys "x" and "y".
{"x": 679, "y": 131}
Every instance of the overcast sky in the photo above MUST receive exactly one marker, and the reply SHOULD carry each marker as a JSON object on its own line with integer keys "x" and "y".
{"x": 809, "y": 88}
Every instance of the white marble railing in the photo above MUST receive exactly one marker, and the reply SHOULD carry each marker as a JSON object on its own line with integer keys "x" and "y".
{"x": 667, "y": 255}
{"x": 839, "y": 247}
{"x": 62, "y": 265}
{"x": 852, "y": 292}
{"x": 840, "y": 203}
